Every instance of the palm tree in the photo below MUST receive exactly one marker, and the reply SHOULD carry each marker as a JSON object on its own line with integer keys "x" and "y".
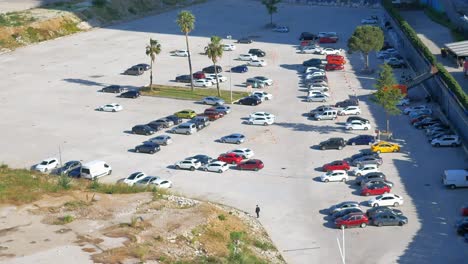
{"x": 214, "y": 51}
{"x": 186, "y": 22}
{"x": 153, "y": 49}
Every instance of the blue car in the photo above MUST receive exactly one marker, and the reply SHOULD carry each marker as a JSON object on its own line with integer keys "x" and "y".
{"x": 240, "y": 69}
{"x": 362, "y": 140}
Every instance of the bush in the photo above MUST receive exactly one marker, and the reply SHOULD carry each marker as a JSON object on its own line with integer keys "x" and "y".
{"x": 64, "y": 182}
{"x": 221, "y": 217}
{"x": 99, "y": 3}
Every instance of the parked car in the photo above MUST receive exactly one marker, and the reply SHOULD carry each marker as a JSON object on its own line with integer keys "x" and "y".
{"x": 388, "y": 199}
{"x": 328, "y": 51}
{"x": 262, "y": 95}
{"x": 375, "y": 189}
{"x": 370, "y": 176}
{"x": 199, "y": 75}
{"x": 382, "y": 209}
{"x": 396, "y": 63}
{"x": 350, "y": 110}
{"x": 426, "y": 122}
{"x": 446, "y": 141}
{"x": 162, "y": 140}
{"x": 363, "y": 154}
{"x": 142, "y": 130}
{"x": 147, "y": 147}
{"x": 146, "y": 182}
{"x": 314, "y": 63}
{"x": 352, "y": 220}
{"x": 333, "y": 67}
{"x": 254, "y": 83}
{"x": 351, "y": 118}
{"x": 130, "y": 94}
{"x": 67, "y": 167}
{"x": 320, "y": 86}
{"x": 187, "y": 113}
{"x": 264, "y": 79}
{"x": 346, "y": 211}
{"x": 200, "y": 122}
{"x": 385, "y": 147}
{"x": 361, "y": 140}
{"x": 265, "y": 121}
{"x": 367, "y": 181}
{"x": 245, "y": 41}
{"x": 184, "y": 128}
{"x": 180, "y": 53}
{"x": 188, "y": 164}
{"x": 165, "y": 122}
{"x": 155, "y": 126}
{"x": 317, "y": 98}
{"x": 365, "y": 169}
{"x": 388, "y": 218}
{"x": 357, "y": 125}
{"x": 212, "y": 100}
{"x": 216, "y": 166}
{"x": 343, "y": 206}
{"x": 202, "y": 83}
{"x": 314, "y": 49}
{"x": 161, "y": 183}
{"x": 133, "y": 178}
{"x": 462, "y": 229}
{"x": 247, "y": 57}
{"x": 251, "y": 164}
{"x": 134, "y": 71}
{"x": 112, "y": 89}
{"x": 233, "y": 138}
{"x": 211, "y": 115}
{"x": 203, "y": 159}
{"x": 408, "y": 110}
{"x": 321, "y": 109}
{"x": 307, "y": 36}
{"x": 369, "y": 21}
{"x": 224, "y": 109}
{"x": 257, "y": 52}
{"x": 359, "y": 162}
{"x": 47, "y": 165}
{"x": 245, "y": 153}
{"x": 240, "y": 69}
{"x": 417, "y": 113}
{"x": 229, "y": 47}
{"x": 257, "y": 63}
{"x": 144, "y": 66}
{"x": 334, "y": 175}
{"x": 174, "y": 119}
{"x": 336, "y": 165}
{"x": 231, "y": 158}
{"x": 250, "y": 100}
{"x": 464, "y": 210}
{"x": 332, "y": 143}
{"x": 281, "y": 29}
{"x": 183, "y": 78}
{"x": 347, "y": 102}
{"x": 211, "y": 69}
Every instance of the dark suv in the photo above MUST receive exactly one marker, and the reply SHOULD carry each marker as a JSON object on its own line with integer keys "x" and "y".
{"x": 211, "y": 69}
{"x": 258, "y": 52}
{"x": 112, "y": 89}
{"x": 333, "y": 143}
{"x": 250, "y": 101}
{"x": 348, "y": 102}
{"x": 130, "y": 94}
{"x": 183, "y": 79}
{"x": 307, "y": 36}
{"x": 155, "y": 125}
{"x": 174, "y": 119}
{"x": 200, "y": 122}
{"x": 142, "y": 130}
{"x": 135, "y": 70}
{"x": 148, "y": 147}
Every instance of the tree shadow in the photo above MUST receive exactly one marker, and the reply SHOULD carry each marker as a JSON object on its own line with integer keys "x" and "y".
{"x": 84, "y": 82}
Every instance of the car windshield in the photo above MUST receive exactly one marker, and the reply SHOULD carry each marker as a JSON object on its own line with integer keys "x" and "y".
{"x": 44, "y": 162}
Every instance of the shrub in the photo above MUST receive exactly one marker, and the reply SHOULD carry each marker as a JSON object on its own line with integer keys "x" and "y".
{"x": 64, "y": 182}
{"x": 221, "y": 217}
{"x": 99, "y": 3}
{"x": 263, "y": 245}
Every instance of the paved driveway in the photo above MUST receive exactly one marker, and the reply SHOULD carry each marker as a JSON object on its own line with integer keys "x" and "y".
{"x": 49, "y": 92}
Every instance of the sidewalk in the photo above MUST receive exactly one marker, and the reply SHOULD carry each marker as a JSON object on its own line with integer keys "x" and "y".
{"x": 434, "y": 36}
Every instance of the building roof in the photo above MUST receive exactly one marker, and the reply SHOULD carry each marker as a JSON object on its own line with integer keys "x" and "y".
{"x": 458, "y": 48}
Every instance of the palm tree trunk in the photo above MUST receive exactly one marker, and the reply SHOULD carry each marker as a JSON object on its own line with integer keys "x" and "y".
{"x": 217, "y": 81}
{"x": 388, "y": 123}
{"x": 366, "y": 60}
{"x": 151, "y": 76}
{"x": 189, "y": 62}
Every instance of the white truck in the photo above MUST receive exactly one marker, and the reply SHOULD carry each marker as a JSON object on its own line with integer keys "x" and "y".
{"x": 455, "y": 178}
{"x": 95, "y": 169}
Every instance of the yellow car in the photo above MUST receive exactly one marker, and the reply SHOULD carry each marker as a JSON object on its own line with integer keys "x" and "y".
{"x": 383, "y": 147}
{"x": 186, "y": 114}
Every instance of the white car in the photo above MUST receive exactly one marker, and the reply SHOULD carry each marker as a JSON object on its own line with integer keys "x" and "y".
{"x": 261, "y": 121}
{"x": 110, "y": 108}
{"x": 312, "y": 69}
{"x": 265, "y": 80}
{"x": 334, "y": 175}
{"x": 229, "y": 47}
{"x": 146, "y": 181}
{"x": 331, "y": 51}
{"x": 261, "y": 114}
{"x": 446, "y": 141}
{"x": 311, "y": 75}
{"x": 216, "y": 166}
{"x": 247, "y": 57}
{"x": 221, "y": 78}
{"x": 404, "y": 102}
{"x": 408, "y": 110}
{"x": 202, "y": 83}
{"x": 181, "y": 53}
{"x": 257, "y": 63}
{"x": 365, "y": 169}
{"x": 317, "y": 98}
{"x": 47, "y": 165}
{"x": 317, "y": 92}
{"x": 357, "y": 125}
{"x": 388, "y": 199}
{"x": 161, "y": 183}
{"x": 311, "y": 50}
{"x": 262, "y": 95}
{"x": 369, "y": 21}
{"x": 282, "y": 29}
{"x": 133, "y": 178}
{"x": 350, "y": 110}
{"x": 188, "y": 164}
{"x": 319, "y": 86}
{"x": 244, "y": 152}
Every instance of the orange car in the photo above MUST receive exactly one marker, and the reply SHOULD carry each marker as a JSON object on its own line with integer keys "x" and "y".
{"x": 336, "y": 61}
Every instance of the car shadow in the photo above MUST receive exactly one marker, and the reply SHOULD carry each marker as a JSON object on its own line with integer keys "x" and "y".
{"x": 324, "y": 211}
{"x": 329, "y": 224}
{"x": 128, "y": 132}
{"x": 319, "y": 169}
{"x": 317, "y": 179}
{"x": 132, "y": 150}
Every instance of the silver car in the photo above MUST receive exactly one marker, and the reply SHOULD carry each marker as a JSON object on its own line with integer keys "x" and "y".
{"x": 233, "y": 138}
{"x": 162, "y": 140}
{"x": 317, "y": 98}
{"x": 367, "y": 160}
{"x": 211, "y": 100}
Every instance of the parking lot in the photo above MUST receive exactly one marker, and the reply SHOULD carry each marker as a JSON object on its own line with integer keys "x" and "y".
{"x": 49, "y": 92}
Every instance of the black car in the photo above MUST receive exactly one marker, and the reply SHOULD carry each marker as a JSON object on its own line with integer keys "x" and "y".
{"x": 144, "y": 66}
{"x": 240, "y": 69}
{"x": 363, "y": 154}
{"x": 381, "y": 209}
{"x": 244, "y": 40}
{"x": 203, "y": 159}
{"x": 257, "y": 52}
{"x": 351, "y": 118}
{"x": 397, "y": 64}
{"x": 142, "y": 130}
{"x": 425, "y": 123}
{"x": 388, "y": 218}
{"x": 347, "y": 102}
{"x": 183, "y": 78}
{"x": 134, "y": 70}
{"x": 112, "y": 89}
{"x": 462, "y": 229}
{"x": 362, "y": 140}
{"x": 130, "y": 94}
{"x": 346, "y": 211}
{"x": 148, "y": 147}
{"x": 369, "y": 176}
{"x": 211, "y": 69}
{"x": 250, "y": 100}
{"x": 308, "y": 36}
{"x": 174, "y": 119}
{"x": 333, "y": 143}
{"x": 200, "y": 122}
{"x": 314, "y": 63}
{"x": 155, "y": 125}
{"x": 67, "y": 167}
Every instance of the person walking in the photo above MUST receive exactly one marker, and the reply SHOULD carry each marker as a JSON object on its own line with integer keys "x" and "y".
{"x": 257, "y": 211}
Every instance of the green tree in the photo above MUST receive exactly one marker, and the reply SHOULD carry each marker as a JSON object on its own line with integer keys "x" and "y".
{"x": 271, "y": 6}
{"x": 186, "y": 22}
{"x": 387, "y": 94}
{"x": 214, "y": 51}
{"x": 153, "y": 49}
{"x": 366, "y": 39}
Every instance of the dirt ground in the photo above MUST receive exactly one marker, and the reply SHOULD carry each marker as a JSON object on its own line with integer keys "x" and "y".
{"x": 128, "y": 229}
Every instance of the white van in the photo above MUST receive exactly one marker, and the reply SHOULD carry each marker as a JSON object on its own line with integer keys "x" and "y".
{"x": 95, "y": 169}
{"x": 455, "y": 178}
{"x": 327, "y": 115}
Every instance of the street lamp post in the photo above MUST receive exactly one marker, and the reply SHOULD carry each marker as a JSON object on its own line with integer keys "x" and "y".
{"x": 230, "y": 71}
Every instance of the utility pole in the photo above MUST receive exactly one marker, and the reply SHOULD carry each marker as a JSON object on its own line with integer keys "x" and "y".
{"x": 230, "y": 71}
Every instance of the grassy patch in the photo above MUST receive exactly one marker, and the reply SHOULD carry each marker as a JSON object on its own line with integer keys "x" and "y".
{"x": 263, "y": 245}
{"x": 15, "y": 19}
{"x": 186, "y": 94}
{"x": 74, "y": 205}
{"x": 64, "y": 220}
{"x": 118, "y": 188}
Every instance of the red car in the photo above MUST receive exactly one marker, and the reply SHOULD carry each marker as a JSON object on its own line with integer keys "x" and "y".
{"x": 419, "y": 118}
{"x": 328, "y": 39}
{"x": 375, "y": 189}
{"x": 212, "y": 115}
{"x": 334, "y": 57}
{"x": 251, "y": 164}
{"x": 231, "y": 158}
{"x": 464, "y": 210}
{"x": 336, "y": 61}
{"x": 336, "y": 165}
{"x": 199, "y": 75}
{"x": 353, "y": 219}
{"x": 333, "y": 67}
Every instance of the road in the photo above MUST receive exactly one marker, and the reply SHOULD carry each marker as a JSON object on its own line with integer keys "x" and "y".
{"x": 18, "y": 5}
{"x": 49, "y": 102}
